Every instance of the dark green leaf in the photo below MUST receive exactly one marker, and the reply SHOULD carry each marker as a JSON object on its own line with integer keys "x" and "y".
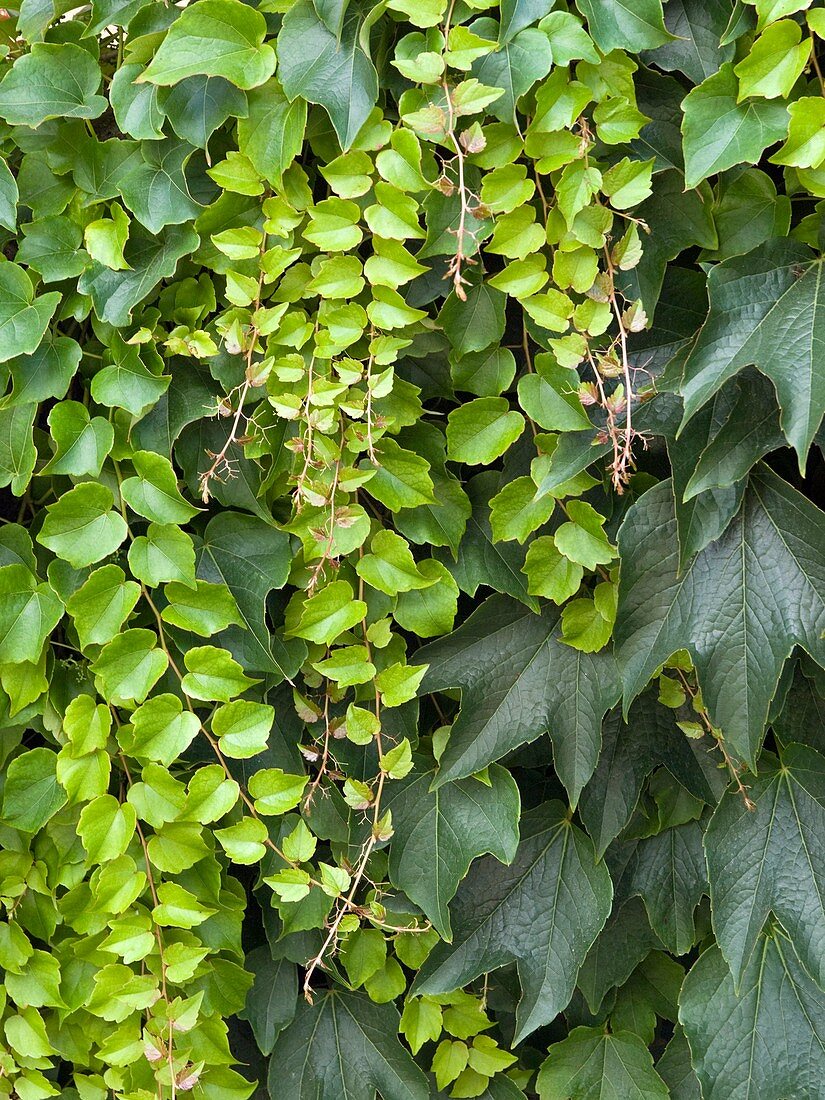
{"x": 533, "y": 913}
{"x": 765, "y": 310}
{"x": 590, "y": 1063}
{"x": 344, "y": 1045}
{"x": 326, "y": 68}
{"x": 768, "y": 1040}
{"x": 770, "y": 860}
{"x": 518, "y": 680}
{"x": 739, "y": 607}
{"x": 439, "y": 833}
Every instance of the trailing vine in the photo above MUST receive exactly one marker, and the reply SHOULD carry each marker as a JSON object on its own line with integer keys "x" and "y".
{"x": 412, "y": 568}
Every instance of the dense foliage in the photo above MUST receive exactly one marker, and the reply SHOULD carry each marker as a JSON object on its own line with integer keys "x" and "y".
{"x": 412, "y": 583}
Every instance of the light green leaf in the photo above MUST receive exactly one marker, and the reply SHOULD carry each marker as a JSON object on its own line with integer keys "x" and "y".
{"x": 402, "y": 479}
{"x": 23, "y": 316}
{"x": 32, "y": 795}
{"x": 213, "y": 675}
{"x": 215, "y": 38}
{"x": 272, "y": 132}
{"x": 480, "y": 431}
{"x": 51, "y": 81}
{"x": 720, "y": 132}
{"x": 275, "y": 791}
{"x": 81, "y": 527}
{"x": 102, "y": 604}
{"x": 204, "y": 610}
{"x": 160, "y": 730}
{"x": 153, "y": 492}
{"x": 129, "y": 666}
{"x": 82, "y": 442}
{"x": 774, "y": 62}
{"x": 29, "y": 611}
{"x": 164, "y": 553}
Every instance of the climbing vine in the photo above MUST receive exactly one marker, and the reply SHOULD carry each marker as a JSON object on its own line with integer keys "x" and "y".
{"x": 412, "y": 570}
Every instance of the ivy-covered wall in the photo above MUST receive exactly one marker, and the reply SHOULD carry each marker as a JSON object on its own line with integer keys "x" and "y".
{"x": 412, "y": 570}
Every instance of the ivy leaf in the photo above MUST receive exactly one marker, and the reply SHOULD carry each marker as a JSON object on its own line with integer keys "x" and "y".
{"x": 29, "y": 612}
{"x": 127, "y": 382}
{"x": 81, "y": 527}
{"x": 775, "y": 61}
{"x": 344, "y": 1045}
{"x": 720, "y": 132}
{"x": 327, "y": 68}
{"x": 626, "y": 940}
{"x": 204, "y": 610}
{"x": 768, "y": 1038}
{"x": 153, "y": 492}
{"x": 251, "y": 558}
{"x": 164, "y": 553}
{"x": 18, "y": 455}
{"x": 625, "y": 24}
{"x": 102, "y": 604}
{"x": 272, "y": 1001}
{"x": 765, "y": 309}
{"x": 272, "y": 132}
{"x": 703, "y": 518}
{"x": 748, "y": 212}
{"x": 32, "y": 795}
{"x": 518, "y": 680}
{"x": 196, "y": 107}
{"x": 156, "y": 191}
{"x": 136, "y": 106}
{"x": 518, "y": 14}
{"x": 739, "y": 607}
{"x": 443, "y": 521}
{"x": 475, "y": 323}
{"x": 438, "y": 833}
{"x": 184, "y": 401}
{"x": 129, "y": 666}
{"x": 630, "y": 752}
{"x": 698, "y": 26}
{"x": 23, "y": 316}
{"x": 520, "y": 60}
{"x": 160, "y": 730}
{"x": 676, "y": 1071}
{"x": 81, "y": 441}
{"x": 480, "y": 560}
{"x": 668, "y": 872}
{"x": 44, "y": 373}
{"x": 51, "y": 247}
{"x": 215, "y": 38}
{"x": 402, "y": 479}
{"x": 51, "y": 81}
{"x": 480, "y": 431}
{"x": 769, "y": 861}
{"x": 9, "y": 196}
{"x": 532, "y": 913}
{"x": 750, "y": 431}
{"x": 589, "y": 1062}
{"x": 151, "y": 257}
